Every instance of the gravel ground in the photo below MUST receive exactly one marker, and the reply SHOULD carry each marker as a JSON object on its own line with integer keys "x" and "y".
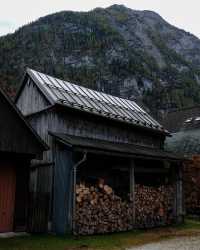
{"x": 179, "y": 243}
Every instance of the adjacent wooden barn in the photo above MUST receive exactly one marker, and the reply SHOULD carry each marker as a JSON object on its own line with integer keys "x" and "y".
{"x": 176, "y": 120}
{"x": 19, "y": 144}
{"x": 186, "y": 141}
{"x": 106, "y": 169}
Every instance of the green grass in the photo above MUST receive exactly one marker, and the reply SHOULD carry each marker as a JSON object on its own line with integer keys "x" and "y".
{"x": 118, "y": 241}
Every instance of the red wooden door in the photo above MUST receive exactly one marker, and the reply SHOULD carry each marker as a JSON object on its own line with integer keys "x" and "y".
{"x": 7, "y": 197}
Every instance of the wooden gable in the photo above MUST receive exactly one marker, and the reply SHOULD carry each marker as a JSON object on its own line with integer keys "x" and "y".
{"x": 30, "y": 99}
{"x": 16, "y": 135}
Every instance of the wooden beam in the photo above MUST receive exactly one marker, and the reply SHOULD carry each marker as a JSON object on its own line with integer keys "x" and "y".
{"x": 151, "y": 170}
{"x": 123, "y": 154}
{"x": 178, "y": 210}
{"x": 174, "y": 179}
{"x": 74, "y": 200}
{"x": 132, "y": 186}
{"x": 179, "y": 194}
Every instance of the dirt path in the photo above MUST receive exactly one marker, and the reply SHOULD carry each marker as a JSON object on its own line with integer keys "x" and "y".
{"x": 179, "y": 243}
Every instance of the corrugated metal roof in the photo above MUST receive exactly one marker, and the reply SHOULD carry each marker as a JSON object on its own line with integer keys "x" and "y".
{"x": 75, "y": 96}
{"x": 123, "y": 148}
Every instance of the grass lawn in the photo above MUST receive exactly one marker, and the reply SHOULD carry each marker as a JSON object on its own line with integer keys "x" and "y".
{"x": 118, "y": 241}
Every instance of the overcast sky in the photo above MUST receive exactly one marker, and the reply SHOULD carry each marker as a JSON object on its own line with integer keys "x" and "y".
{"x": 15, "y": 13}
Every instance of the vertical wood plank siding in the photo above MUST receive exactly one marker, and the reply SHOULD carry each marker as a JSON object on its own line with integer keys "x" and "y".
{"x": 31, "y": 100}
{"x": 74, "y": 124}
{"x": 15, "y": 134}
{"x": 63, "y": 191}
{"x": 43, "y": 123}
{"x": 40, "y": 189}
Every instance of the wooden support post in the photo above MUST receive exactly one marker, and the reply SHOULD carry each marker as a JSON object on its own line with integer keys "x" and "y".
{"x": 132, "y": 187}
{"x": 178, "y": 198}
{"x": 174, "y": 179}
{"x": 74, "y": 169}
{"x": 179, "y": 194}
{"x": 74, "y": 200}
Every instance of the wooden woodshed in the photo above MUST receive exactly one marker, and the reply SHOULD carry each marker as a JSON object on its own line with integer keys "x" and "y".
{"x": 106, "y": 169}
{"x": 19, "y": 144}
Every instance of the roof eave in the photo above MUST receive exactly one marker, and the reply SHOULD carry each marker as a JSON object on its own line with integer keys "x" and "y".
{"x": 164, "y": 132}
{"x": 80, "y": 147}
{"x": 23, "y": 82}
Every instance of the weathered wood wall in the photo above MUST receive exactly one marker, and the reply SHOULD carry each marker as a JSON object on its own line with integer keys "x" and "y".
{"x": 15, "y": 135}
{"x": 63, "y": 190}
{"x": 31, "y": 99}
{"x": 39, "y": 198}
{"x": 81, "y": 124}
{"x": 75, "y": 123}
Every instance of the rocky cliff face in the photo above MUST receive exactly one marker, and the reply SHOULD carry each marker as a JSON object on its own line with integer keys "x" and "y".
{"x": 133, "y": 54}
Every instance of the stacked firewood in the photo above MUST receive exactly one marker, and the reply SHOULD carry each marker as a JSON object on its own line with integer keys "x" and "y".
{"x": 99, "y": 210}
{"x": 153, "y": 206}
{"x": 191, "y": 180}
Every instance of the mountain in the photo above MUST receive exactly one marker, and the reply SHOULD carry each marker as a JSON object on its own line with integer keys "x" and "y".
{"x": 132, "y": 54}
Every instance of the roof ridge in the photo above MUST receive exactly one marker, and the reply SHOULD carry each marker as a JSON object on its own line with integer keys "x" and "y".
{"x": 93, "y": 101}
